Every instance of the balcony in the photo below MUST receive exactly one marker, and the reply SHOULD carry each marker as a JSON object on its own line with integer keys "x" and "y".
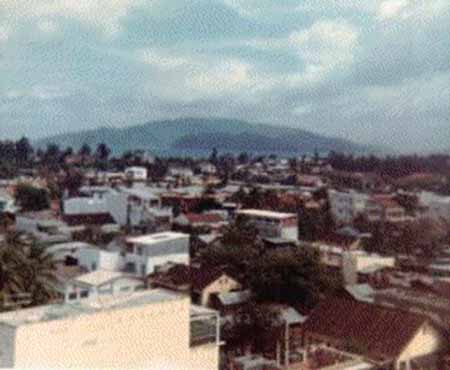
{"x": 204, "y": 326}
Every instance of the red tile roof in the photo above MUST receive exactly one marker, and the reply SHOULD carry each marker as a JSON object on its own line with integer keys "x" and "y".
{"x": 379, "y": 333}
{"x": 201, "y": 218}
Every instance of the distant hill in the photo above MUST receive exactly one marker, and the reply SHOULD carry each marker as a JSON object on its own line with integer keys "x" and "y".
{"x": 193, "y": 136}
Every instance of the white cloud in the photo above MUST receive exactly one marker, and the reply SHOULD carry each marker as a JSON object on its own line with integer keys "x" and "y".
{"x": 391, "y": 8}
{"x": 160, "y": 59}
{"x": 325, "y": 45}
{"x": 105, "y": 14}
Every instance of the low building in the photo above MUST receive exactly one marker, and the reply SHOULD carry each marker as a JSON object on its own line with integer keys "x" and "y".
{"x": 389, "y": 338}
{"x": 136, "y": 173}
{"x": 100, "y": 283}
{"x": 384, "y": 208}
{"x": 127, "y": 331}
{"x": 271, "y": 224}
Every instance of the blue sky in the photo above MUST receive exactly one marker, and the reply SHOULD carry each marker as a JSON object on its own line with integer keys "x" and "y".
{"x": 375, "y": 71}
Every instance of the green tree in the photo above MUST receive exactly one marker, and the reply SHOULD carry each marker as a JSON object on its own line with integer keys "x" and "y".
{"x": 24, "y": 150}
{"x": 289, "y": 276}
{"x": 31, "y": 198}
{"x": 26, "y": 268}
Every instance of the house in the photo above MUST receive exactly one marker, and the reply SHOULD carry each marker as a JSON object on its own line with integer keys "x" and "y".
{"x": 208, "y": 281}
{"x": 271, "y": 224}
{"x": 438, "y": 207}
{"x": 380, "y": 208}
{"x": 211, "y": 221}
{"x": 202, "y": 283}
{"x": 136, "y": 173}
{"x": 387, "y": 337}
{"x": 111, "y": 332}
{"x": 100, "y": 283}
{"x": 145, "y": 252}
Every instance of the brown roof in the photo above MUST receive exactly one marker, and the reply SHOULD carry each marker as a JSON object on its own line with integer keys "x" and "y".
{"x": 377, "y": 332}
{"x": 197, "y": 278}
{"x": 196, "y": 218}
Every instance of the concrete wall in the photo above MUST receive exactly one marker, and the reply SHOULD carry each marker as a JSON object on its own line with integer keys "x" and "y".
{"x": 7, "y": 334}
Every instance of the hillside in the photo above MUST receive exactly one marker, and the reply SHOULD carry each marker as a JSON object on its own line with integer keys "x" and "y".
{"x": 194, "y": 135}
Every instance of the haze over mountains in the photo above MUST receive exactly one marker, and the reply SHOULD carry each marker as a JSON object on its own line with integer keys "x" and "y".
{"x": 193, "y": 136}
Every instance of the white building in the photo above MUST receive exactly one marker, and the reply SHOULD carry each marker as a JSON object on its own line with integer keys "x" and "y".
{"x": 272, "y": 224}
{"x": 153, "y": 329}
{"x": 125, "y": 205}
{"x": 345, "y": 206}
{"x": 438, "y": 207}
{"x": 354, "y": 262}
{"x": 146, "y": 252}
{"x": 6, "y": 203}
{"x": 136, "y": 173}
{"x": 100, "y": 283}
{"x": 94, "y": 258}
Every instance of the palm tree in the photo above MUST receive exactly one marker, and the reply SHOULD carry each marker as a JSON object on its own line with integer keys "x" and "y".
{"x": 26, "y": 269}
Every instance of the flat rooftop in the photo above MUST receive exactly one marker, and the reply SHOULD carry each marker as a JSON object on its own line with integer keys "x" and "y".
{"x": 157, "y": 238}
{"x": 265, "y": 214}
{"x": 87, "y": 307}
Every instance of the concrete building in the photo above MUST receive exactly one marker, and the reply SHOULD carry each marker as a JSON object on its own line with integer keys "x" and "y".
{"x": 272, "y": 224}
{"x": 136, "y": 173}
{"x": 438, "y": 207}
{"x": 380, "y": 208}
{"x": 354, "y": 262}
{"x": 346, "y": 205}
{"x": 145, "y": 252}
{"x": 100, "y": 283}
{"x": 93, "y": 258}
{"x": 153, "y": 329}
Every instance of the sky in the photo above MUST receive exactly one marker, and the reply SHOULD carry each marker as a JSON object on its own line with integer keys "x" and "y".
{"x": 373, "y": 71}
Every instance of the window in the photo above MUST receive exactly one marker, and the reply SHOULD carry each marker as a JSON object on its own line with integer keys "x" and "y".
{"x": 72, "y": 296}
{"x": 94, "y": 266}
{"x": 84, "y": 294}
{"x": 139, "y": 251}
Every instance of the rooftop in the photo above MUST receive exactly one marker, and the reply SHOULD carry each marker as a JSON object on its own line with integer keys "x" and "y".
{"x": 99, "y": 277}
{"x": 266, "y": 214}
{"x": 156, "y": 238}
{"x": 86, "y": 307}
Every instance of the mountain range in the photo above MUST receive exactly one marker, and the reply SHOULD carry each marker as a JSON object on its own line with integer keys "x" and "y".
{"x": 197, "y": 136}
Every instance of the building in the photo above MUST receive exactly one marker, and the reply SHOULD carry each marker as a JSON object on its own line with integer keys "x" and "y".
{"x": 438, "y": 207}
{"x": 354, "y": 262}
{"x": 346, "y": 205}
{"x": 100, "y": 283}
{"x": 212, "y": 221}
{"x": 136, "y": 173}
{"x": 145, "y": 252}
{"x": 384, "y": 208}
{"x": 153, "y": 329}
{"x": 272, "y": 224}
{"x": 389, "y": 338}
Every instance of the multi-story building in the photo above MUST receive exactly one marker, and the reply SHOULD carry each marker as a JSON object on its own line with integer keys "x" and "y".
{"x": 272, "y": 224}
{"x": 346, "y": 205}
{"x": 153, "y": 329}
